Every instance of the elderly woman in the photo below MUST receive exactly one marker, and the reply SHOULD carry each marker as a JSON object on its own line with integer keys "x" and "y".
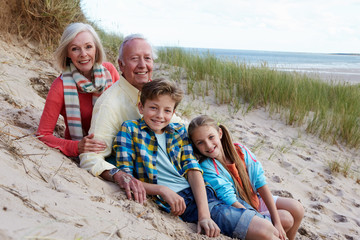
{"x": 84, "y": 78}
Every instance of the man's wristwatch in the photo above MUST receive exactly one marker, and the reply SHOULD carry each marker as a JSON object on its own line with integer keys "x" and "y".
{"x": 112, "y": 172}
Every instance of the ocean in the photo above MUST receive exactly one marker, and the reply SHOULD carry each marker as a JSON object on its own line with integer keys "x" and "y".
{"x": 328, "y": 66}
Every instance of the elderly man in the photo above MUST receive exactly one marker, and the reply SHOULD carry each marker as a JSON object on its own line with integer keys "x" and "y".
{"x": 116, "y": 105}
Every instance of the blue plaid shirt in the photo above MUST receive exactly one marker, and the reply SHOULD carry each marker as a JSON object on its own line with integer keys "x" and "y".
{"x": 136, "y": 150}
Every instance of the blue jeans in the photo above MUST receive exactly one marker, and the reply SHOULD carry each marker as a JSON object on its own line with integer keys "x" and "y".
{"x": 233, "y": 222}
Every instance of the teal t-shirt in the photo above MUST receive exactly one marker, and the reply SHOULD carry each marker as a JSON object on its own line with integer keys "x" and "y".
{"x": 167, "y": 173}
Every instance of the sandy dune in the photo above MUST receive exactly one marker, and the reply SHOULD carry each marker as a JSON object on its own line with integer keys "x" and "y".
{"x": 45, "y": 195}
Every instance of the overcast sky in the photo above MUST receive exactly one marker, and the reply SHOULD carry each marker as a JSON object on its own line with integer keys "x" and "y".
{"x": 276, "y": 25}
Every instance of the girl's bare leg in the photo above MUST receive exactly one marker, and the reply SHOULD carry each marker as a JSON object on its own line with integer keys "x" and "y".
{"x": 260, "y": 228}
{"x": 295, "y": 208}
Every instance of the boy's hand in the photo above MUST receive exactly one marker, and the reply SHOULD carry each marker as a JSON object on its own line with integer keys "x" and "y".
{"x": 210, "y": 227}
{"x": 131, "y": 184}
{"x": 177, "y": 203}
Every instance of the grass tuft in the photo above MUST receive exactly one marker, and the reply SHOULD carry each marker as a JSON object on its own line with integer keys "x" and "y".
{"x": 344, "y": 168}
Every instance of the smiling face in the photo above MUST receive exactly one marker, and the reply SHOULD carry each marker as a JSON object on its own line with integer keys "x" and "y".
{"x": 82, "y": 50}
{"x": 158, "y": 112}
{"x": 208, "y": 141}
{"x": 137, "y": 63}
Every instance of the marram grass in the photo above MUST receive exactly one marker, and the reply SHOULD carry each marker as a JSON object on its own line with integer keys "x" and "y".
{"x": 329, "y": 110}
{"x": 42, "y": 21}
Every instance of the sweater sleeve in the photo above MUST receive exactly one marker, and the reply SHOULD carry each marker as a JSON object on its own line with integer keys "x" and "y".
{"x": 109, "y": 113}
{"x": 223, "y": 187}
{"x": 53, "y": 105}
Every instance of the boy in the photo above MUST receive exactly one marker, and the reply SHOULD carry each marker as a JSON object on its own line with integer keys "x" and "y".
{"x": 159, "y": 154}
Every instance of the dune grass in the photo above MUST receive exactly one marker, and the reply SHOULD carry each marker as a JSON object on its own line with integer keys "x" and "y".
{"x": 329, "y": 110}
{"x": 43, "y": 22}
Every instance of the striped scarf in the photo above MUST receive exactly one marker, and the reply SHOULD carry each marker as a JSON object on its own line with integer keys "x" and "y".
{"x": 73, "y": 82}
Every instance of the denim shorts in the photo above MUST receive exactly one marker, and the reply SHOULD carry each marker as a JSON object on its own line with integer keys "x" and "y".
{"x": 233, "y": 222}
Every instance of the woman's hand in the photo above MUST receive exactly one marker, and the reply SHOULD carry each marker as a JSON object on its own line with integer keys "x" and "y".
{"x": 88, "y": 144}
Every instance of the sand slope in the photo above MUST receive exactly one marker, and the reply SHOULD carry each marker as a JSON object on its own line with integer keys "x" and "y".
{"x": 45, "y": 195}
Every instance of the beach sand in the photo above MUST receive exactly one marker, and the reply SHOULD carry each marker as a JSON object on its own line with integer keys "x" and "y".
{"x": 45, "y": 195}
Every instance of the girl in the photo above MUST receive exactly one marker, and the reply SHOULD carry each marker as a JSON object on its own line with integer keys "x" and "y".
{"x": 233, "y": 171}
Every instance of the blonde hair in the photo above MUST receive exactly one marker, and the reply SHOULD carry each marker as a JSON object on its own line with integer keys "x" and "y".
{"x": 230, "y": 154}
{"x": 159, "y": 87}
{"x": 70, "y": 32}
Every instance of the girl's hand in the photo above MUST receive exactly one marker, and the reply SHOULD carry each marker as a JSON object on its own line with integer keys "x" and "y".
{"x": 282, "y": 233}
{"x": 210, "y": 227}
{"x": 88, "y": 144}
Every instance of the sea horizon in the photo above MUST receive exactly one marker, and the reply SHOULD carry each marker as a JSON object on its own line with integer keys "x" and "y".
{"x": 342, "y": 67}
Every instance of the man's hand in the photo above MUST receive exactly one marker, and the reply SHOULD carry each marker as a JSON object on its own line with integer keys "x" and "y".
{"x": 211, "y": 229}
{"x": 131, "y": 185}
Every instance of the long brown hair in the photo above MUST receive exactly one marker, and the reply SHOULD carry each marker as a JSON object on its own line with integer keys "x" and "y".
{"x": 230, "y": 154}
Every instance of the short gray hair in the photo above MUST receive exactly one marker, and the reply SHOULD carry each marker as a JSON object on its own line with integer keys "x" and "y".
{"x": 70, "y": 32}
{"x": 131, "y": 37}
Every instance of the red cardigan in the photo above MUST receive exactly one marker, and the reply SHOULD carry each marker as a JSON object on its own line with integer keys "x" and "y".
{"x": 55, "y": 105}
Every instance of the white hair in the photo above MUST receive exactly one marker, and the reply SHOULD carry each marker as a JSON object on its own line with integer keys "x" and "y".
{"x": 70, "y": 32}
{"x": 131, "y": 37}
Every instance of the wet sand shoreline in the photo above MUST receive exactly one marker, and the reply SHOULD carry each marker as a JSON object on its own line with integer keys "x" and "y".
{"x": 338, "y": 75}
